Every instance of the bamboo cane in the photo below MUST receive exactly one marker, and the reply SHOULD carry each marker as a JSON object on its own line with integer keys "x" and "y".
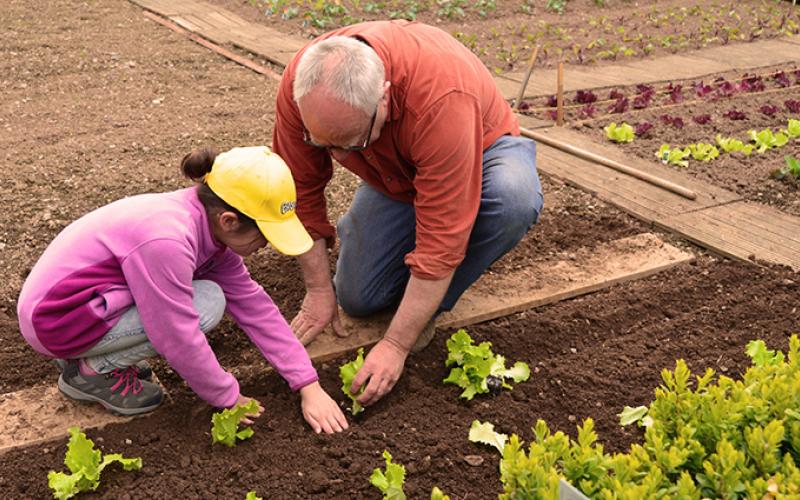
{"x": 527, "y": 77}
{"x": 587, "y": 155}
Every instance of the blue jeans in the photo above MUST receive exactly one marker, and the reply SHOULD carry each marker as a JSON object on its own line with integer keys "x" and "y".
{"x": 126, "y": 343}
{"x": 377, "y": 232}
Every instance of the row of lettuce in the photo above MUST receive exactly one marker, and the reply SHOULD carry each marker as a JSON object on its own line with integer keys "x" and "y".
{"x": 705, "y": 436}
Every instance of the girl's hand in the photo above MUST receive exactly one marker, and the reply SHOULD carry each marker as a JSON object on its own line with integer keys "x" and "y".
{"x": 321, "y": 411}
{"x": 244, "y": 401}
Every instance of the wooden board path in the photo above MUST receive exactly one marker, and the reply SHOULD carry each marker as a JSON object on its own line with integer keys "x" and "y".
{"x": 42, "y": 413}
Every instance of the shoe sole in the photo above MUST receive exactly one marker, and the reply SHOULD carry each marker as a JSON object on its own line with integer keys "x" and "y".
{"x": 78, "y": 395}
{"x": 147, "y": 376}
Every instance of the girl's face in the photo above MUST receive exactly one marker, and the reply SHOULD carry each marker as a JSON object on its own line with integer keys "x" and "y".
{"x": 227, "y": 229}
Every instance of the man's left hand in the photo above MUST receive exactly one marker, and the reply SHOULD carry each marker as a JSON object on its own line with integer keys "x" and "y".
{"x": 382, "y": 367}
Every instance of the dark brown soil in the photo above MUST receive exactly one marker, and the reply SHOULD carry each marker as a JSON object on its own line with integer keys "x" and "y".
{"x": 102, "y": 104}
{"x": 503, "y": 33}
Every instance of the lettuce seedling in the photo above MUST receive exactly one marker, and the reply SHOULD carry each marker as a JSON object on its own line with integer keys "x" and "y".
{"x": 478, "y": 370}
{"x": 731, "y": 145}
{"x": 620, "y": 106}
{"x": 701, "y": 119}
{"x": 85, "y": 464}
{"x": 768, "y": 109}
{"x": 484, "y": 433}
{"x": 225, "y": 424}
{"x": 766, "y": 139}
{"x": 793, "y": 128}
{"x": 347, "y": 372}
{"x": 585, "y": 97}
{"x": 390, "y": 482}
{"x": 251, "y": 495}
{"x": 792, "y": 105}
{"x": 792, "y": 169}
{"x": 623, "y": 133}
{"x": 643, "y": 129}
{"x": 734, "y": 114}
{"x": 782, "y": 79}
{"x": 703, "y": 151}
{"x": 676, "y": 156}
{"x": 437, "y": 494}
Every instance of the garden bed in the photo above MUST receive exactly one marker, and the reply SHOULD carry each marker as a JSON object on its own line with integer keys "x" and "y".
{"x": 88, "y": 121}
{"x": 503, "y": 33}
{"x": 694, "y": 111}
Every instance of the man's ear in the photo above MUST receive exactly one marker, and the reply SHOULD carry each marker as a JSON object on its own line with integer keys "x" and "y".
{"x": 228, "y": 221}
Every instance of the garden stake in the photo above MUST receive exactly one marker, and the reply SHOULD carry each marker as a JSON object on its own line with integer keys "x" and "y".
{"x": 527, "y": 77}
{"x": 619, "y": 167}
{"x": 560, "y": 95}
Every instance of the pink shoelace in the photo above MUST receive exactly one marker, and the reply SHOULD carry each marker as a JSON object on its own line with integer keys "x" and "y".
{"x": 130, "y": 378}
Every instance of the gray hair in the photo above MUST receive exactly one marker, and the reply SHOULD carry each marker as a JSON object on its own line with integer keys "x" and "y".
{"x": 349, "y": 69}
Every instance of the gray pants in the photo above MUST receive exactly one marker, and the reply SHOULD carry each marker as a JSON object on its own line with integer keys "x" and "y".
{"x": 126, "y": 343}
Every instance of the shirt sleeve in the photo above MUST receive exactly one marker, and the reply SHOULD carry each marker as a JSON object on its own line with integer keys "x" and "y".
{"x": 159, "y": 274}
{"x": 448, "y": 155}
{"x": 311, "y": 167}
{"x": 259, "y": 317}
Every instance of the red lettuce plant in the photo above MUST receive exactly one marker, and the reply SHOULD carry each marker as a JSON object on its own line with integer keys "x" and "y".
{"x": 552, "y": 101}
{"x": 620, "y": 106}
{"x": 752, "y": 83}
{"x": 615, "y": 94}
{"x": 792, "y": 105}
{"x": 643, "y": 129}
{"x": 768, "y": 109}
{"x": 734, "y": 114}
{"x": 701, "y": 119}
{"x": 782, "y": 79}
{"x": 585, "y": 97}
{"x": 673, "y": 121}
{"x": 675, "y": 93}
{"x": 587, "y": 111}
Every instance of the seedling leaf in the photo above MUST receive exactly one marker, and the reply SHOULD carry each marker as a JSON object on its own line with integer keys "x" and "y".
{"x": 225, "y": 424}
{"x": 251, "y": 495}
{"x": 623, "y": 133}
{"x": 630, "y": 415}
{"x": 347, "y": 372}
{"x": 485, "y": 433}
{"x": 437, "y": 494}
{"x": 390, "y": 482}
{"x": 85, "y": 464}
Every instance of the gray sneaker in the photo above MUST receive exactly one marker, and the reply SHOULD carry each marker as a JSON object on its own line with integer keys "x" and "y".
{"x": 120, "y": 391}
{"x": 145, "y": 371}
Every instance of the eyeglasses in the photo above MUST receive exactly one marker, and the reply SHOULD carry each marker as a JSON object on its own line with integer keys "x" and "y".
{"x": 345, "y": 149}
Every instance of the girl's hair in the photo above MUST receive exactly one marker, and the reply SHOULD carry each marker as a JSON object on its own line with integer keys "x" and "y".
{"x": 350, "y": 70}
{"x": 195, "y": 166}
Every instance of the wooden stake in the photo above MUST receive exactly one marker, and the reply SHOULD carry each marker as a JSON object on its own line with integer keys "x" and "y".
{"x": 619, "y": 167}
{"x": 527, "y": 77}
{"x": 560, "y": 95}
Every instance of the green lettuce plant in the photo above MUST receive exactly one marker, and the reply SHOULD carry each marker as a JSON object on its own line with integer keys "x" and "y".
{"x": 673, "y": 156}
{"x": 225, "y": 424}
{"x": 389, "y": 482}
{"x": 703, "y": 151}
{"x": 347, "y": 372}
{"x": 792, "y": 169}
{"x": 477, "y": 369}
{"x": 766, "y": 139}
{"x": 85, "y": 464}
{"x": 621, "y": 133}
{"x": 732, "y": 145}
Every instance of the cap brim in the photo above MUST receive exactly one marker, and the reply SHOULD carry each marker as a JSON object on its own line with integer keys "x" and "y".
{"x": 288, "y": 236}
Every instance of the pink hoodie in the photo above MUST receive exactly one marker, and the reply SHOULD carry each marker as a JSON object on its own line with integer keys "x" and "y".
{"x": 146, "y": 250}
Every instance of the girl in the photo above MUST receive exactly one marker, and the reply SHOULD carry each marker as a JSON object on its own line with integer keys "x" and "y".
{"x": 151, "y": 274}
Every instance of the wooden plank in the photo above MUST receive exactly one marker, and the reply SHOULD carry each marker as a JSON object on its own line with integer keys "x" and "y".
{"x": 531, "y": 122}
{"x": 494, "y": 296}
{"x": 740, "y": 56}
{"x": 42, "y": 413}
{"x": 742, "y": 230}
{"x": 206, "y": 29}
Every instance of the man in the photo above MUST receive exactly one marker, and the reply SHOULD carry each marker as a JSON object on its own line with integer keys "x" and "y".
{"x": 449, "y": 186}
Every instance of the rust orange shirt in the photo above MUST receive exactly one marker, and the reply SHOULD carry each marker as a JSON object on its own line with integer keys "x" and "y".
{"x": 445, "y": 110}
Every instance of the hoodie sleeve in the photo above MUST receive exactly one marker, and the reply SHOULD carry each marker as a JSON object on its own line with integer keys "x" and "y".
{"x": 159, "y": 274}
{"x": 259, "y": 317}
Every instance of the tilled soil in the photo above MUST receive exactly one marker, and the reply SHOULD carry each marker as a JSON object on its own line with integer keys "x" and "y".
{"x": 103, "y": 104}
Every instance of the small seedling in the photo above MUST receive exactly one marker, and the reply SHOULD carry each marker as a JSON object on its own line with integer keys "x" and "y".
{"x": 792, "y": 169}
{"x": 347, "y": 372}
{"x": 85, "y": 464}
{"x": 225, "y": 424}
{"x": 478, "y": 370}
{"x": 391, "y": 481}
{"x": 251, "y": 495}
{"x": 620, "y": 134}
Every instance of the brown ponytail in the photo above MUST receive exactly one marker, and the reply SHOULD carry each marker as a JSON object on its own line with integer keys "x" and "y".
{"x": 197, "y": 164}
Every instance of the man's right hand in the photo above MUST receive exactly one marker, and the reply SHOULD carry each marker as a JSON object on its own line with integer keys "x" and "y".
{"x": 319, "y": 310}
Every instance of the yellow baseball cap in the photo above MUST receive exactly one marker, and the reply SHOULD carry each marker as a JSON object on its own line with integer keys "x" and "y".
{"x": 258, "y": 183}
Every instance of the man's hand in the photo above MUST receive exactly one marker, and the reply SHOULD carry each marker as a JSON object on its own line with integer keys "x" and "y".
{"x": 382, "y": 367}
{"x": 319, "y": 310}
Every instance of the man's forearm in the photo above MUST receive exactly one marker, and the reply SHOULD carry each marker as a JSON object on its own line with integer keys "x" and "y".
{"x": 420, "y": 301}
{"x": 315, "y": 266}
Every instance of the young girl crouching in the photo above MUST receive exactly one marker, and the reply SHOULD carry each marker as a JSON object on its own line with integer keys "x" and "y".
{"x": 153, "y": 273}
